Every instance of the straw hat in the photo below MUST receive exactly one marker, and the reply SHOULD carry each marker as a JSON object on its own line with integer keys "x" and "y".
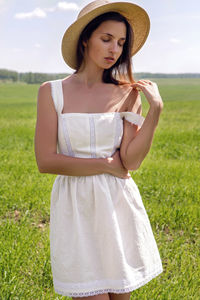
{"x": 135, "y": 15}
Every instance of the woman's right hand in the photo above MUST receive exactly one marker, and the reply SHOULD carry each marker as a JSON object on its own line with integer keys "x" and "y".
{"x": 115, "y": 166}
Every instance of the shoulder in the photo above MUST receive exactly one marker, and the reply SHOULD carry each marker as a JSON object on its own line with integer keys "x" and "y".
{"x": 45, "y": 88}
{"x": 45, "y": 99}
{"x": 47, "y": 85}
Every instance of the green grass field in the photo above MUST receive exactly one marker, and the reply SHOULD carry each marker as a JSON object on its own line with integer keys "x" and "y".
{"x": 168, "y": 181}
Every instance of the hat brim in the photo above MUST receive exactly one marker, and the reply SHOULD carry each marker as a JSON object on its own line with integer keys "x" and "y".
{"x": 135, "y": 15}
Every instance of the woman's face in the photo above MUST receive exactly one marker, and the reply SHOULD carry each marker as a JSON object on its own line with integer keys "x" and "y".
{"x": 106, "y": 41}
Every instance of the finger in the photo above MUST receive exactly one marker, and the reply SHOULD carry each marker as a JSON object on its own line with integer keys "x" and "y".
{"x": 141, "y": 82}
{"x": 148, "y": 82}
{"x": 137, "y": 85}
{"x": 138, "y": 89}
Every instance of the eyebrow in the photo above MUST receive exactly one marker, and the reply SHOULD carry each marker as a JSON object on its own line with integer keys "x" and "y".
{"x": 112, "y": 35}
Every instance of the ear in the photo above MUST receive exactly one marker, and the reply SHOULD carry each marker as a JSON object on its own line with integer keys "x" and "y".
{"x": 84, "y": 44}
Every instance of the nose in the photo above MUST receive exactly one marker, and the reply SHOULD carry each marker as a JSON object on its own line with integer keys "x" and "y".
{"x": 114, "y": 47}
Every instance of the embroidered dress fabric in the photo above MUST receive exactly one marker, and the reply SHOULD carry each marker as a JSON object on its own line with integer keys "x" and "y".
{"x": 101, "y": 238}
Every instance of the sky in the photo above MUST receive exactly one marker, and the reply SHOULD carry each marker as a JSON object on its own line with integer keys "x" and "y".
{"x": 31, "y": 33}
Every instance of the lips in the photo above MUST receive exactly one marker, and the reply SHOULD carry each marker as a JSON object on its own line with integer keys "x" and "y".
{"x": 109, "y": 58}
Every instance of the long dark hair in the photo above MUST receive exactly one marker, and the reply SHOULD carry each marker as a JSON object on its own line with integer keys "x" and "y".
{"x": 122, "y": 69}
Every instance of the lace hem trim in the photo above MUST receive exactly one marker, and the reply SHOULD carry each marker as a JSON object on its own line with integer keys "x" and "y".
{"x": 110, "y": 290}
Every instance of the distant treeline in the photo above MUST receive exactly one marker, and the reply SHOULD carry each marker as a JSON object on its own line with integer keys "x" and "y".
{"x": 30, "y": 77}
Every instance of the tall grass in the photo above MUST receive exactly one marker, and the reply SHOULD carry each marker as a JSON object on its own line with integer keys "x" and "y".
{"x": 168, "y": 180}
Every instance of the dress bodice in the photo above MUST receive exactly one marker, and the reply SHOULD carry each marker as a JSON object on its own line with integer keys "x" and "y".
{"x": 89, "y": 135}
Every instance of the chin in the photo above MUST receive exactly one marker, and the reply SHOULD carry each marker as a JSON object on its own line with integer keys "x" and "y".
{"x": 107, "y": 68}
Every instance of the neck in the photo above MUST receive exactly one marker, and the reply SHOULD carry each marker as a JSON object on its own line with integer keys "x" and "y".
{"x": 89, "y": 76}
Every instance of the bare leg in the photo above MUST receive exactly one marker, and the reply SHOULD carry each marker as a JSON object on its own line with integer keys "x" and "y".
{"x": 125, "y": 296}
{"x": 96, "y": 297}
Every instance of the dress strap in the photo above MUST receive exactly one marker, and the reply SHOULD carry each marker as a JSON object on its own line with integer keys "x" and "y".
{"x": 57, "y": 94}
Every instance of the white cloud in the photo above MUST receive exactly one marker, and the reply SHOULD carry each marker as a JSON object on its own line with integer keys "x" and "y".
{"x": 42, "y": 13}
{"x": 36, "y": 13}
{"x": 67, "y": 6}
{"x": 174, "y": 41}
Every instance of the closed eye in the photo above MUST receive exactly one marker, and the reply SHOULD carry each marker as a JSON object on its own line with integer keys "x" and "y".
{"x": 109, "y": 41}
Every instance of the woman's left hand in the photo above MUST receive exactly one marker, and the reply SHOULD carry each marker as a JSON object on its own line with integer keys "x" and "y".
{"x": 151, "y": 92}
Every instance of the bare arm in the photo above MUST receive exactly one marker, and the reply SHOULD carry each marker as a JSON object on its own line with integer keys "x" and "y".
{"x": 49, "y": 161}
{"x": 136, "y": 144}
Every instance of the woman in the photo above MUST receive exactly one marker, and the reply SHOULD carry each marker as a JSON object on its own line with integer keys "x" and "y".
{"x": 90, "y": 132}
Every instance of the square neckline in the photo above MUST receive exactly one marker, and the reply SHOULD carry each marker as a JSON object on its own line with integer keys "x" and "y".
{"x": 85, "y": 113}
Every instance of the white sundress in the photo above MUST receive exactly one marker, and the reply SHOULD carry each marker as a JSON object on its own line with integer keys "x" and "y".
{"x": 101, "y": 239}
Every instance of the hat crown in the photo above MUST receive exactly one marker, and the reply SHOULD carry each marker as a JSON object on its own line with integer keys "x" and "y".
{"x": 92, "y": 5}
